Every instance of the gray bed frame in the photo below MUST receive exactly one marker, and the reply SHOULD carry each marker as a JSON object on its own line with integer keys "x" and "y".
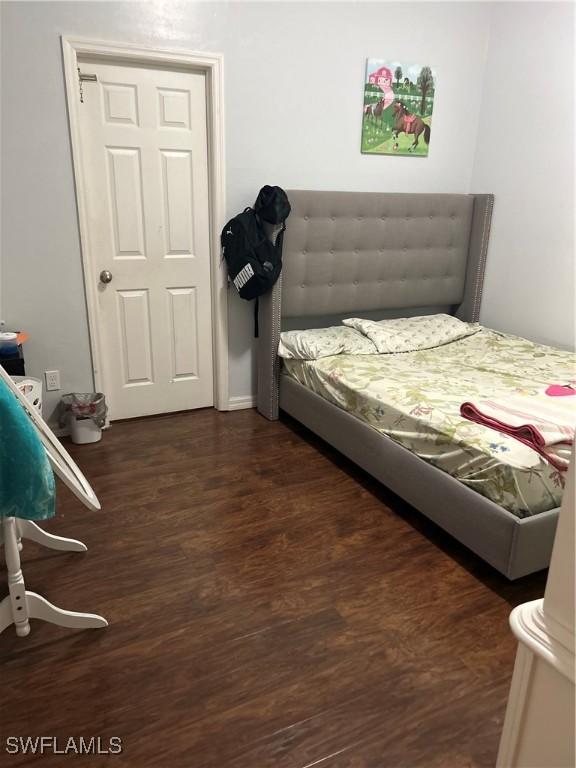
{"x": 389, "y": 255}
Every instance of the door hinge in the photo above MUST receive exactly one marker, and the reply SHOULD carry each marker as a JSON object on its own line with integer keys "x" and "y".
{"x": 82, "y": 77}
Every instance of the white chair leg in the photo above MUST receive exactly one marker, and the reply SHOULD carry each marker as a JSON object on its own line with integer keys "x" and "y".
{"x": 40, "y": 608}
{"x": 16, "y": 586}
{"x": 30, "y": 530}
{"x": 21, "y": 605}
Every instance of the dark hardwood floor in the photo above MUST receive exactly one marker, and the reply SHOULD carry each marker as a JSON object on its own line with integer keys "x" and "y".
{"x": 269, "y": 605}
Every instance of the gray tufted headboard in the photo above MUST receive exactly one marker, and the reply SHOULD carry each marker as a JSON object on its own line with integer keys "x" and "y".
{"x": 372, "y": 255}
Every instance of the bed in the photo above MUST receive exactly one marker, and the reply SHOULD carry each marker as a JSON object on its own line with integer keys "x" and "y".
{"x": 375, "y": 256}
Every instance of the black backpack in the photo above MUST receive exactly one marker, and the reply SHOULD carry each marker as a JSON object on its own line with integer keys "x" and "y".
{"x": 254, "y": 262}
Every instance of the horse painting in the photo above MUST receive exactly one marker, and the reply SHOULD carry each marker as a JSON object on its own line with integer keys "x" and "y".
{"x": 405, "y": 121}
{"x": 392, "y": 90}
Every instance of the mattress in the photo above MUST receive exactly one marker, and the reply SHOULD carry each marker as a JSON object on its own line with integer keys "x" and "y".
{"x": 414, "y": 398}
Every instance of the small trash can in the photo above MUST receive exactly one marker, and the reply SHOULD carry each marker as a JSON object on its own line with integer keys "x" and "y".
{"x": 84, "y": 414}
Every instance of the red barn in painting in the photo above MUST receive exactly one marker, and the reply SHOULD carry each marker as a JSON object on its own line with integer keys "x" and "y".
{"x": 382, "y": 76}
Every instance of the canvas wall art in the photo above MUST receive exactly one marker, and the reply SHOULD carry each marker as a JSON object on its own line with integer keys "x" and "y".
{"x": 398, "y": 105}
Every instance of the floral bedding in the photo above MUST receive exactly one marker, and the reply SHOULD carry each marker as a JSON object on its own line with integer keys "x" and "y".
{"x": 415, "y": 399}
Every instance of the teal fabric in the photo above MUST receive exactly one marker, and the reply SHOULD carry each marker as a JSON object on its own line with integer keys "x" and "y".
{"x": 27, "y": 487}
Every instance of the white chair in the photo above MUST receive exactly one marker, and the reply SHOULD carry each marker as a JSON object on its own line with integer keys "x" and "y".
{"x": 21, "y": 604}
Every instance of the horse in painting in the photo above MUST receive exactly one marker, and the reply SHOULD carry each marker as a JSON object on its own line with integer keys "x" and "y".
{"x": 406, "y": 122}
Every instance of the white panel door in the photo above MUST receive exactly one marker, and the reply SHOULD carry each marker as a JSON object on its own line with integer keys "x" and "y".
{"x": 144, "y": 147}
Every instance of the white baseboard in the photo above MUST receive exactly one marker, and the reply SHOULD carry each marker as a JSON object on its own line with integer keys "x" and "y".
{"x": 242, "y": 402}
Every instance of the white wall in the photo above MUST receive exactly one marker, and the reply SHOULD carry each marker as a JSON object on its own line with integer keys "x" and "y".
{"x": 294, "y": 75}
{"x": 525, "y": 156}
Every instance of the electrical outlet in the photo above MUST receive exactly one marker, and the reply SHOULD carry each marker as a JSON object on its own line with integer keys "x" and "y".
{"x": 52, "y": 380}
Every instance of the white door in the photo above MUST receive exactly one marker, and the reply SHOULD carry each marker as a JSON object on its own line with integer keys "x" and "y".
{"x": 144, "y": 150}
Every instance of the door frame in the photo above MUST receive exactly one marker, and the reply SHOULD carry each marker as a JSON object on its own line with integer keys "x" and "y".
{"x": 212, "y": 64}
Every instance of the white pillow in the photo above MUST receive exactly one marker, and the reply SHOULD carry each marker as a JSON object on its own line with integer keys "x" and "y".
{"x": 409, "y": 334}
{"x": 323, "y": 342}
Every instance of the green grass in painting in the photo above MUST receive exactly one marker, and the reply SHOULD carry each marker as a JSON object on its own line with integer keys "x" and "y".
{"x": 377, "y": 139}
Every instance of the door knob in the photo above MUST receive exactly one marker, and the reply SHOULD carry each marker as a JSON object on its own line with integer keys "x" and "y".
{"x": 105, "y": 276}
